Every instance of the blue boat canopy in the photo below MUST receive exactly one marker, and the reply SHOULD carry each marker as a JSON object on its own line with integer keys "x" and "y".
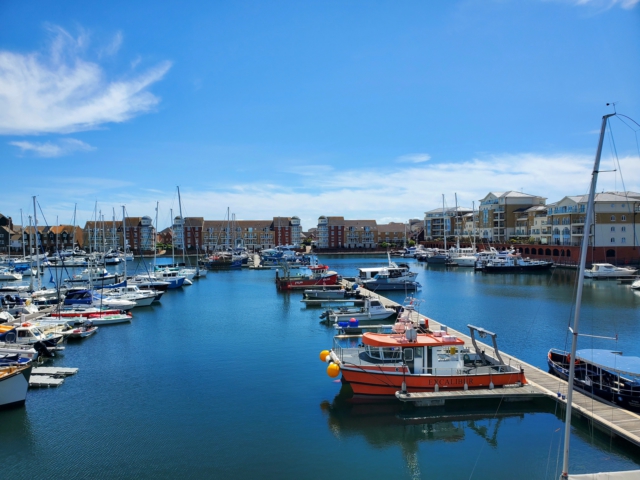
{"x": 611, "y": 361}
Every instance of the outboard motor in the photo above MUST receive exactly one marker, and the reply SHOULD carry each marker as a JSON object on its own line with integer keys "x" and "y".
{"x": 42, "y": 350}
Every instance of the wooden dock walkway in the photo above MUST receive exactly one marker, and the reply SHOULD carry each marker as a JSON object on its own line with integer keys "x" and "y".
{"x": 604, "y": 415}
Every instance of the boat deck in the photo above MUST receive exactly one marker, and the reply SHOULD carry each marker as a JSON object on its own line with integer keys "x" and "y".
{"x": 603, "y": 415}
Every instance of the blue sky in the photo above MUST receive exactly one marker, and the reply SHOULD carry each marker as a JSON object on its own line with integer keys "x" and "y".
{"x": 370, "y": 110}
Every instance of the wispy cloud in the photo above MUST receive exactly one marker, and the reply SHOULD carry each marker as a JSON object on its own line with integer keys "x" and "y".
{"x": 414, "y": 158}
{"x": 382, "y": 194}
{"x": 60, "y": 148}
{"x": 112, "y": 47}
{"x": 310, "y": 170}
{"x": 603, "y": 4}
{"x": 58, "y": 91}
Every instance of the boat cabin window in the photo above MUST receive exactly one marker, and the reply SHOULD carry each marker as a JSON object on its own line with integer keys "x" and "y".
{"x": 408, "y": 354}
{"x": 375, "y": 303}
{"x": 383, "y": 353}
{"x": 447, "y": 354}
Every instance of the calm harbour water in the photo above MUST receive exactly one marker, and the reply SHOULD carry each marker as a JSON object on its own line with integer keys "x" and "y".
{"x": 223, "y": 380}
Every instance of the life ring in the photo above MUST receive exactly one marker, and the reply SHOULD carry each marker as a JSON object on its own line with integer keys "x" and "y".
{"x": 466, "y": 357}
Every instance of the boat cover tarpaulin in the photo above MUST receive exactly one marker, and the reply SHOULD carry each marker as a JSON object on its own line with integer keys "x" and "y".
{"x": 610, "y": 361}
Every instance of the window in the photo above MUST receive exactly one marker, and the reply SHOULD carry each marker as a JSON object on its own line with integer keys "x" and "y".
{"x": 613, "y": 218}
{"x": 613, "y": 240}
{"x": 623, "y": 240}
{"x": 613, "y": 205}
{"x": 623, "y": 218}
{"x": 623, "y": 229}
{"x": 613, "y": 229}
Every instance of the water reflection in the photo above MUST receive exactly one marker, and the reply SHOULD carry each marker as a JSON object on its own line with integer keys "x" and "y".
{"x": 17, "y": 440}
{"x": 491, "y": 429}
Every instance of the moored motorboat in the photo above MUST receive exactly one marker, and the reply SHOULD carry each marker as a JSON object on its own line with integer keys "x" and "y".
{"x": 96, "y": 276}
{"x": 305, "y": 277}
{"x": 606, "y": 270}
{"x": 515, "y": 263}
{"x": 603, "y": 373}
{"x": 386, "y": 364}
{"x": 86, "y": 329}
{"x": 388, "y": 277}
{"x": 89, "y": 298}
{"x": 372, "y": 311}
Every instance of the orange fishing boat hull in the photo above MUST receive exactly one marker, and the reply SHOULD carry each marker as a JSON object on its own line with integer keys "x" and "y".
{"x": 386, "y": 381}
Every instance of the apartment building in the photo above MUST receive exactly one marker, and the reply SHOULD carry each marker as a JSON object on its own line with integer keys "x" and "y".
{"x": 102, "y": 236}
{"x": 392, "y": 233}
{"x": 448, "y": 221}
{"x": 616, "y": 220}
{"x": 252, "y": 234}
{"x": 360, "y": 234}
{"x": 330, "y": 232}
{"x": 497, "y": 219}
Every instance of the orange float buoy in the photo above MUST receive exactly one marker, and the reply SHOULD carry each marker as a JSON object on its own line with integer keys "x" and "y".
{"x": 323, "y": 355}
{"x": 333, "y": 370}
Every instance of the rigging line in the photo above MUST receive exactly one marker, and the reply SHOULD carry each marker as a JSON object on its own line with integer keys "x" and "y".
{"x": 617, "y": 160}
{"x": 628, "y": 118}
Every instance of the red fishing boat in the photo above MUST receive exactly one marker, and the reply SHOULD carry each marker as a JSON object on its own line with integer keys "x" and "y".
{"x": 409, "y": 361}
{"x": 305, "y": 277}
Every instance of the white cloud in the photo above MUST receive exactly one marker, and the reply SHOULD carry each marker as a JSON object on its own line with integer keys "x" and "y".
{"x": 605, "y": 4}
{"x": 414, "y": 158}
{"x": 310, "y": 170}
{"x": 381, "y": 194}
{"x": 63, "y": 147}
{"x": 113, "y": 47}
{"x": 60, "y": 92}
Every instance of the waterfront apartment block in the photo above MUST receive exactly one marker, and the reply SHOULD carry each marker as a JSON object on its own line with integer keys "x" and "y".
{"x": 102, "y": 236}
{"x": 338, "y": 233}
{"x": 59, "y": 237}
{"x": 252, "y": 234}
{"x": 441, "y": 222}
{"x": 531, "y": 224}
{"x": 616, "y": 220}
{"x": 330, "y": 232}
{"x": 187, "y": 232}
{"x": 497, "y": 214}
{"x": 395, "y": 233}
{"x": 360, "y": 234}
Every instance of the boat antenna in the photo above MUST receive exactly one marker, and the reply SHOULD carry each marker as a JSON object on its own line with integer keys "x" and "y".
{"x": 576, "y": 318}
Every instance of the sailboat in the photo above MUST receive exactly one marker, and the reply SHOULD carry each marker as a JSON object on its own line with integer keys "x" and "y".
{"x": 571, "y": 357}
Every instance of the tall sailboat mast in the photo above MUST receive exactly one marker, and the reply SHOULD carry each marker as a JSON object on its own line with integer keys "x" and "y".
{"x": 30, "y": 255}
{"x": 73, "y": 238}
{"x": 124, "y": 239}
{"x": 155, "y": 240}
{"x": 444, "y": 223}
{"x": 173, "y": 240}
{"x": 35, "y": 222}
{"x": 576, "y": 317}
{"x": 22, "y": 225}
{"x": 184, "y": 244}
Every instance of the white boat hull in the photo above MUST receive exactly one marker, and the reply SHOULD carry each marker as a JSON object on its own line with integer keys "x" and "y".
{"x": 13, "y": 387}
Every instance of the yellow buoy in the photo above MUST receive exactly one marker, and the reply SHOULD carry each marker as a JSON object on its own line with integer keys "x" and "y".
{"x": 333, "y": 370}
{"x": 323, "y": 355}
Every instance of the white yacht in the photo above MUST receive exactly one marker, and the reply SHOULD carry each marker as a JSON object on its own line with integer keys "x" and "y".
{"x": 606, "y": 270}
{"x": 387, "y": 277}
